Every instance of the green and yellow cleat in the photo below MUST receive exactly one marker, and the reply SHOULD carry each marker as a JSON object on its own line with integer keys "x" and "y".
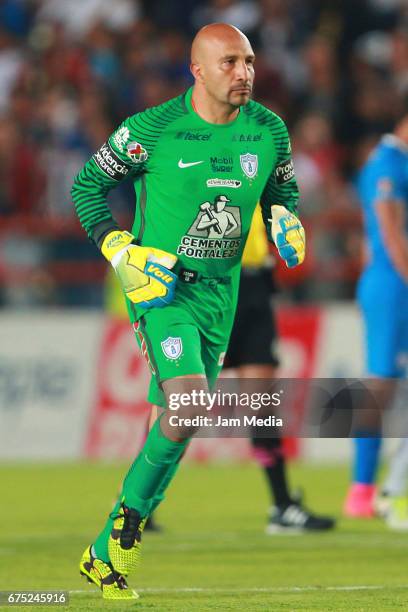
{"x": 111, "y": 583}
{"x": 125, "y": 540}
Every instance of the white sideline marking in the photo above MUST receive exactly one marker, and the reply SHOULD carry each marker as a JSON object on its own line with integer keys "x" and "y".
{"x": 356, "y": 587}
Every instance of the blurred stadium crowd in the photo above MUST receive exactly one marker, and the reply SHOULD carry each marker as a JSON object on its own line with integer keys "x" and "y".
{"x": 71, "y": 70}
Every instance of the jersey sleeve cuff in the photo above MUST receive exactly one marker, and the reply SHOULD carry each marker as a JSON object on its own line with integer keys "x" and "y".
{"x": 102, "y": 229}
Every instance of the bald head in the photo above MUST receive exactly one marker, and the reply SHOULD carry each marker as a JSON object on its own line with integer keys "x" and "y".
{"x": 215, "y": 34}
{"x": 222, "y": 63}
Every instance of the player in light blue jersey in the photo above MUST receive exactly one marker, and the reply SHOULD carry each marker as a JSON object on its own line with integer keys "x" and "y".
{"x": 383, "y": 295}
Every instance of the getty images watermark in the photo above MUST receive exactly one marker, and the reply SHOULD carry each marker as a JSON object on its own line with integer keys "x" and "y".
{"x": 303, "y": 408}
{"x": 224, "y": 407}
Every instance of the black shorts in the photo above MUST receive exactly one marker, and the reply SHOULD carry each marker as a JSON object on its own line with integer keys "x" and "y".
{"x": 254, "y": 333}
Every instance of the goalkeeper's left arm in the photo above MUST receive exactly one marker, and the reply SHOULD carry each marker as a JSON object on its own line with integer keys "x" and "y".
{"x": 279, "y": 205}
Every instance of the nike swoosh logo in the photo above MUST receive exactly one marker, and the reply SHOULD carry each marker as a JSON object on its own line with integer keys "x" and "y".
{"x": 181, "y": 164}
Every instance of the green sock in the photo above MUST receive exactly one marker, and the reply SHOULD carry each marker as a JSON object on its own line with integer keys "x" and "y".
{"x": 155, "y": 465}
{"x": 159, "y": 495}
{"x": 150, "y": 468}
{"x": 101, "y": 542}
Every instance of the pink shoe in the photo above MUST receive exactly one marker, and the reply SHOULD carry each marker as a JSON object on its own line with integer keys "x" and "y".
{"x": 360, "y": 500}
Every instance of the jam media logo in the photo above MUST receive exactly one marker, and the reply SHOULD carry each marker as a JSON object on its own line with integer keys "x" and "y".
{"x": 249, "y": 164}
{"x": 172, "y": 347}
{"x": 136, "y": 152}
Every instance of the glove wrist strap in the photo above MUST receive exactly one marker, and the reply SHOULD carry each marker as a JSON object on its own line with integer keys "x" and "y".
{"x": 115, "y": 242}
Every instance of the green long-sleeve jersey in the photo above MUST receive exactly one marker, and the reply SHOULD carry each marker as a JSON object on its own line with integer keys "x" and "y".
{"x": 196, "y": 183}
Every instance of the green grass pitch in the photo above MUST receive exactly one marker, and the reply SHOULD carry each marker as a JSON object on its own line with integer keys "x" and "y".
{"x": 212, "y": 555}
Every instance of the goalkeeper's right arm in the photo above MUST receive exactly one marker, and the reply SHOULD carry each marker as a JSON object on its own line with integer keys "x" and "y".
{"x": 144, "y": 272}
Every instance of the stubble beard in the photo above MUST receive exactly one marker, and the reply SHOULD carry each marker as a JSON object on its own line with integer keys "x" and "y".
{"x": 243, "y": 98}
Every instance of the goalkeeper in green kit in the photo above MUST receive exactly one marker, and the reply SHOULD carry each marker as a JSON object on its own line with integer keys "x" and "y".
{"x": 200, "y": 164}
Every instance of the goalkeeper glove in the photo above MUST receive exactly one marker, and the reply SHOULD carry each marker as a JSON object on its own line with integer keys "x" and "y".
{"x": 144, "y": 272}
{"x": 288, "y": 235}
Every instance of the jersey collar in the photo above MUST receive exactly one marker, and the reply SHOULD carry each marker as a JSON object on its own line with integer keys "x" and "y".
{"x": 190, "y": 107}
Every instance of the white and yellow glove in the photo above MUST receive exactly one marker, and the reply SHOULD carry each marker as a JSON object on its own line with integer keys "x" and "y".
{"x": 144, "y": 272}
{"x": 288, "y": 235}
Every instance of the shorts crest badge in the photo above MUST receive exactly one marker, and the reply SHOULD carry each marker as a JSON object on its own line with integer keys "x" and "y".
{"x": 172, "y": 347}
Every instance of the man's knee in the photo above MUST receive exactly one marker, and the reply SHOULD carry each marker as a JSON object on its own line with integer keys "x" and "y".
{"x": 186, "y": 400}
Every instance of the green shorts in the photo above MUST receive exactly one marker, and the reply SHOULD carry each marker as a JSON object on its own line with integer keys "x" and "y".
{"x": 190, "y": 336}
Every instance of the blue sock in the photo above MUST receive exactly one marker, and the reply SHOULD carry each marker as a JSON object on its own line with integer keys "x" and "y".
{"x": 367, "y": 453}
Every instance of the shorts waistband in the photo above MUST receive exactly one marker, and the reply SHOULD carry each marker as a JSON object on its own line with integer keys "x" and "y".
{"x": 190, "y": 277}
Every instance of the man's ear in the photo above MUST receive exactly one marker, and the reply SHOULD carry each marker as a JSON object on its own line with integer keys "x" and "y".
{"x": 195, "y": 70}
